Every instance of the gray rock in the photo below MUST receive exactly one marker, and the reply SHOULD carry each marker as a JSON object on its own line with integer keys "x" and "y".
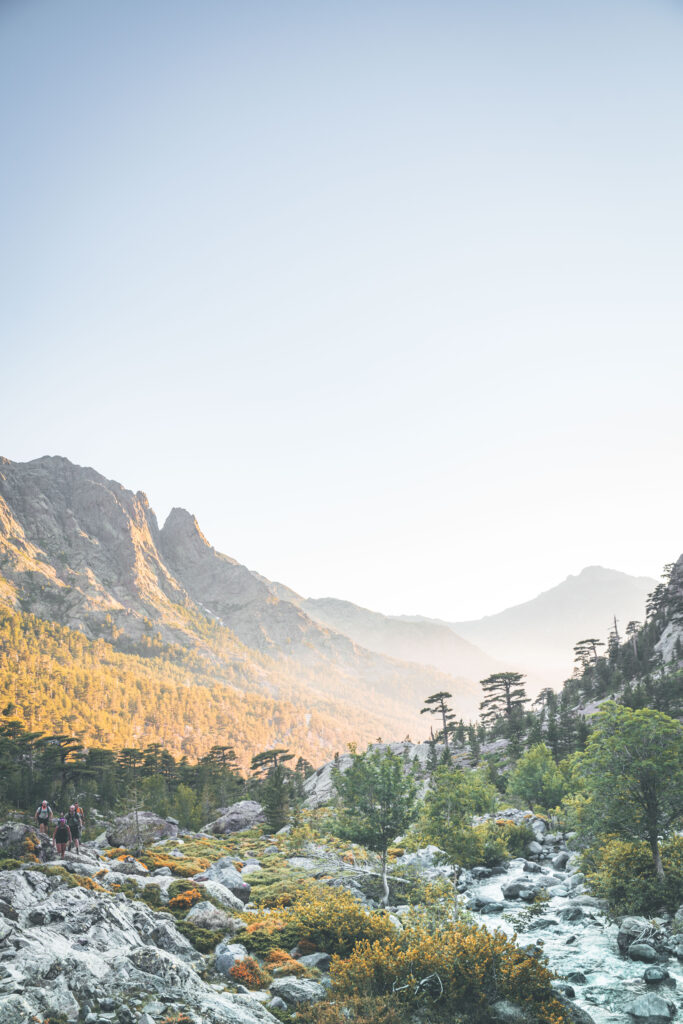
{"x": 319, "y": 960}
{"x": 518, "y": 888}
{"x": 655, "y": 975}
{"x": 508, "y": 1013}
{"x": 205, "y": 915}
{"x": 19, "y": 841}
{"x": 124, "y": 831}
{"x": 277, "y": 1004}
{"x": 642, "y": 951}
{"x": 559, "y": 861}
{"x": 650, "y": 1009}
{"x": 221, "y": 894}
{"x": 129, "y": 866}
{"x": 223, "y": 871}
{"x": 239, "y": 816}
{"x": 632, "y": 929}
{"x": 297, "y": 990}
{"x": 563, "y": 988}
{"x": 534, "y": 848}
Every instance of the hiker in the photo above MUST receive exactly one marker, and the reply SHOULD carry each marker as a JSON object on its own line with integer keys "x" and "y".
{"x": 61, "y": 837}
{"x": 75, "y": 823}
{"x": 43, "y": 816}
{"x": 81, "y": 812}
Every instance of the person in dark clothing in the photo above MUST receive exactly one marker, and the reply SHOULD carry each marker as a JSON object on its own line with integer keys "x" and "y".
{"x": 75, "y": 823}
{"x": 61, "y": 837}
{"x": 43, "y": 816}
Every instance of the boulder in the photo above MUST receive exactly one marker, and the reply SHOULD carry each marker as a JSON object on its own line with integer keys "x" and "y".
{"x": 650, "y": 1009}
{"x": 656, "y": 975}
{"x": 224, "y": 872}
{"x": 559, "y": 861}
{"x": 632, "y": 929}
{"x": 205, "y": 915}
{"x": 236, "y": 818}
{"x": 319, "y": 960}
{"x": 219, "y": 892}
{"x": 148, "y": 828}
{"x": 642, "y": 951}
{"x": 128, "y": 866}
{"x": 534, "y": 848}
{"x": 21, "y": 842}
{"x": 508, "y": 1013}
{"x": 297, "y": 990}
{"x": 518, "y": 889}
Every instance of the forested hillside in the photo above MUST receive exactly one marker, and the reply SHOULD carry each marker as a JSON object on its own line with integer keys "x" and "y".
{"x": 55, "y": 680}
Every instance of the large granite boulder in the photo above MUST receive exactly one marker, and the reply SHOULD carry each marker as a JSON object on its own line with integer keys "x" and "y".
{"x": 135, "y": 831}
{"x": 236, "y": 818}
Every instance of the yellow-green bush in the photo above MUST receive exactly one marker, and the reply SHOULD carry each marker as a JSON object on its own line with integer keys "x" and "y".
{"x": 328, "y": 919}
{"x": 470, "y": 969}
{"x": 489, "y": 844}
{"x": 623, "y": 873}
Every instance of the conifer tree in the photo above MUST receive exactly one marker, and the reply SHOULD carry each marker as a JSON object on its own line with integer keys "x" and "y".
{"x": 436, "y": 705}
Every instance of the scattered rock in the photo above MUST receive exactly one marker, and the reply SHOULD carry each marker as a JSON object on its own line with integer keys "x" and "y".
{"x": 650, "y": 1009}
{"x": 205, "y": 915}
{"x": 297, "y": 990}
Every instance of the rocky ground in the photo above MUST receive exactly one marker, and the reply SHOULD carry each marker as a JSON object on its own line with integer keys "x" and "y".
{"x": 78, "y": 944}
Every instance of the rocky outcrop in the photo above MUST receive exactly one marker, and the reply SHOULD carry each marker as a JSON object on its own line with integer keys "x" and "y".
{"x": 236, "y": 818}
{"x": 69, "y": 951}
{"x": 139, "y": 829}
{"x": 19, "y": 841}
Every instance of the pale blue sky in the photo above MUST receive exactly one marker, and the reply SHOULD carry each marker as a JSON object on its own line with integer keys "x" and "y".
{"x": 388, "y": 294}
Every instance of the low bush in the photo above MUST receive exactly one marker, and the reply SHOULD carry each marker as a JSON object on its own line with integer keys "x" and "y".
{"x": 452, "y": 969}
{"x": 326, "y": 919}
{"x": 281, "y": 961}
{"x": 488, "y": 844}
{"x": 247, "y": 972}
{"x": 623, "y": 873}
{"x": 9, "y": 864}
{"x": 360, "y": 1010}
{"x": 201, "y": 938}
{"x": 185, "y": 900}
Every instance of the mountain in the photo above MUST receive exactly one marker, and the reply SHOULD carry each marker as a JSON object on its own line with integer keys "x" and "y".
{"x": 84, "y": 552}
{"x": 424, "y": 641}
{"x": 538, "y": 636}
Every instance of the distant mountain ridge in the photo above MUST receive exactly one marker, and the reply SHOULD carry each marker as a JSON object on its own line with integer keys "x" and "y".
{"x": 538, "y": 636}
{"x": 82, "y": 551}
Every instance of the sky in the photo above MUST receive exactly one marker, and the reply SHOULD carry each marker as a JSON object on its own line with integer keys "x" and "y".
{"x": 387, "y": 294}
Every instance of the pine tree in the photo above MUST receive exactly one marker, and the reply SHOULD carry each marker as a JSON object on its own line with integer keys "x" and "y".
{"x": 436, "y": 705}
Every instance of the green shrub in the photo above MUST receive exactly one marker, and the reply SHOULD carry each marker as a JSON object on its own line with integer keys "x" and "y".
{"x": 536, "y": 779}
{"x": 449, "y": 970}
{"x": 201, "y": 938}
{"x": 623, "y": 873}
{"x": 329, "y": 919}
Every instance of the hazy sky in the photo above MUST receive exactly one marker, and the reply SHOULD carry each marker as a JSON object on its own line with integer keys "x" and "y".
{"x": 388, "y": 294}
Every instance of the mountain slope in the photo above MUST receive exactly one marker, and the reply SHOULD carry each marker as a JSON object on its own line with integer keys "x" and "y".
{"x": 81, "y": 550}
{"x": 538, "y": 636}
{"x": 426, "y": 642}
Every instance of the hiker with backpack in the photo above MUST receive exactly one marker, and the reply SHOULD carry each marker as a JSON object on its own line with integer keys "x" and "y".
{"x": 61, "y": 837}
{"x": 43, "y": 816}
{"x": 75, "y": 823}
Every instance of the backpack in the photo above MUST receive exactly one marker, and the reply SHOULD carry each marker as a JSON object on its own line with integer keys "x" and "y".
{"x": 43, "y": 813}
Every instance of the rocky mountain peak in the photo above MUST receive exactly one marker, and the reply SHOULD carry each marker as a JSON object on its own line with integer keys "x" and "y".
{"x": 182, "y": 527}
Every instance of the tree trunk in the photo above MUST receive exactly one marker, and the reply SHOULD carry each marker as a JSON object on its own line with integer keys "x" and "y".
{"x": 385, "y": 882}
{"x": 445, "y": 727}
{"x": 657, "y": 857}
